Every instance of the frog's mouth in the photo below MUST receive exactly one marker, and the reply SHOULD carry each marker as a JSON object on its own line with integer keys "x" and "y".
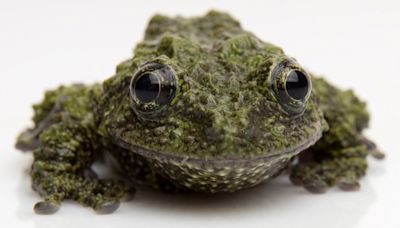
{"x": 288, "y": 152}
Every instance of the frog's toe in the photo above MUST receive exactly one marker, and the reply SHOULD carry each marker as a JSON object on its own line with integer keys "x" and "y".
{"x": 377, "y": 154}
{"x": 104, "y": 196}
{"x": 27, "y": 141}
{"x": 108, "y": 207}
{"x": 348, "y": 185}
{"x": 373, "y": 149}
{"x": 46, "y": 207}
{"x": 316, "y": 188}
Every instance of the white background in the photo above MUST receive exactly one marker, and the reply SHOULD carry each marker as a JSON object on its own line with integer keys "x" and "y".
{"x": 356, "y": 44}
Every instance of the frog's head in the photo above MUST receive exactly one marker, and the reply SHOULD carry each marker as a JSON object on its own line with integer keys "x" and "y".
{"x": 204, "y": 88}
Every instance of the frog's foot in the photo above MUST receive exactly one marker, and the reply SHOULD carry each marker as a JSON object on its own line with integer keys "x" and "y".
{"x": 103, "y": 196}
{"x": 61, "y": 171}
{"x": 316, "y": 171}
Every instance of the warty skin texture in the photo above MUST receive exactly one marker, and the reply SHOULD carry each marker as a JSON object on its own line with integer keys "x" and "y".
{"x": 225, "y": 129}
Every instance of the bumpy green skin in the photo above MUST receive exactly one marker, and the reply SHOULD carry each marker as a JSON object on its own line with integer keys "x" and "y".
{"x": 224, "y": 130}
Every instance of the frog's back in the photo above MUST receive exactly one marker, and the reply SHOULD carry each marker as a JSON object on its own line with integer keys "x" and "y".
{"x": 213, "y": 27}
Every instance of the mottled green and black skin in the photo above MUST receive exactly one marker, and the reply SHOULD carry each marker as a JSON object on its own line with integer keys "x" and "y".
{"x": 224, "y": 130}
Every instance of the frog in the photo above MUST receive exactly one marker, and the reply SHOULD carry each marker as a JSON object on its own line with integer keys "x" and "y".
{"x": 203, "y": 105}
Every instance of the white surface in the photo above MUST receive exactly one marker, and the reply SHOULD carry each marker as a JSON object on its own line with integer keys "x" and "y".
{"x": 354, "y": 43}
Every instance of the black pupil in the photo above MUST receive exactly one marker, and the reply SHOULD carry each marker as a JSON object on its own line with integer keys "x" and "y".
{"x": 147, "y": 87}
{"x": 297, "y": 85}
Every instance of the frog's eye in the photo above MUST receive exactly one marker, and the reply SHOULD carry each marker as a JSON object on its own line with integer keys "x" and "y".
{"x": 152, "y": 88}
{"x": 291, "y": 86}
{"x": 297, "y": 85}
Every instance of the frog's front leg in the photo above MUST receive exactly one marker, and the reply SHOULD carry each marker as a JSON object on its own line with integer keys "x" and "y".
{"x": 66, "y": 143}
{"x": 319, "y": 168}
{"x": 340, "y": 156}
{"x": 64, "y": 155}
